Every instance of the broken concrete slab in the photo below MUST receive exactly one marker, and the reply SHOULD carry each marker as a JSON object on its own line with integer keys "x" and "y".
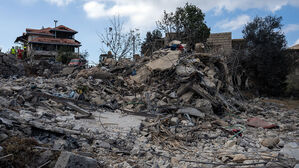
{"x": 191, "y": 111}
{"x": 71, "y": 160}
{"x": 142, "y": 75}
{"x": 165, "y": 62}
{"x": 257, "y": 122}
{"x": 68, "y": 70}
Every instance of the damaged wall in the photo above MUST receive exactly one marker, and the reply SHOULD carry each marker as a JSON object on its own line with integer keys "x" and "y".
{"x": 220, "y": 42}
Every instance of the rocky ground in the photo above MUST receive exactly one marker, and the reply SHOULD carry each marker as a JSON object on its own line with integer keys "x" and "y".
{"x": 172, "y": 109}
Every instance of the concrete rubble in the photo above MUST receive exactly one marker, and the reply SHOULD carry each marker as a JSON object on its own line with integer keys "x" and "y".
{"x": 171, "y": 109}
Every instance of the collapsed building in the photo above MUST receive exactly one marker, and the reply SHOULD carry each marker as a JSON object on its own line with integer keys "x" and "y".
{"x": 171, "y": 109}
{"x": 46, "y": 42}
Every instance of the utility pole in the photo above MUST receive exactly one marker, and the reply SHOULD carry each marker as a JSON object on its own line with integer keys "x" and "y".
{"x": 55, "y": 21}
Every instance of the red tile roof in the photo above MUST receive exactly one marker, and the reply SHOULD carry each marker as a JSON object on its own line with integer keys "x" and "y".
{"x": 40, "y": 31}
{"x": 64, "y": 28}
{"x": 49, "y": 40}
{"x": 49, "y": 29}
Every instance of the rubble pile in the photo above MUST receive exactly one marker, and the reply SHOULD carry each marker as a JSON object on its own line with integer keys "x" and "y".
{"x": 9, "y": 65}
{"x": 172, "y": 109}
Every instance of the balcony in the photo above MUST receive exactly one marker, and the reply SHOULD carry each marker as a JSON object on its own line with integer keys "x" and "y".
{"x": 44, "y": 53}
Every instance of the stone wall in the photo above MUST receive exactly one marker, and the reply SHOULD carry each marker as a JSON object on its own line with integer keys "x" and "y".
{"x": 220, "y": 42}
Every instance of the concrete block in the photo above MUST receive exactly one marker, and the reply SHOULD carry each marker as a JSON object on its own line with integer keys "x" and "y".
{"x": 71, "y": 160}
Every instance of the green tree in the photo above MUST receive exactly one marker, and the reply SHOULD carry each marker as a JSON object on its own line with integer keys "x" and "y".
{"x": 65, "y": 55}
{"x": 149, "y": 43}
{"x": 266, "y": 62}
{"x": 187, "y": 21}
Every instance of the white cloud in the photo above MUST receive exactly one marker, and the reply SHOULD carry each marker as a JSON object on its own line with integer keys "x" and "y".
{"x": 296, "y": 42}
{"x": 144, "y": 13}
{"x": 291, "y": 28}
{"x": 233, "y": 24}
{"x": 60, "y": 2}
{"x": 94, "y": 9}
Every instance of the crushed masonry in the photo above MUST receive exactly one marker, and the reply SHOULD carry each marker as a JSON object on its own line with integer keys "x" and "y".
{"x": 172, "y": 109}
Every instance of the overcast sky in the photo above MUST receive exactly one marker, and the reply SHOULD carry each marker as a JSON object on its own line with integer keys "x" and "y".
{"x": 90, "y": 17}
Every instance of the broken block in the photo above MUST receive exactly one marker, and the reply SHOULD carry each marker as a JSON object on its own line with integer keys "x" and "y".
{"x": 71, "y": 160}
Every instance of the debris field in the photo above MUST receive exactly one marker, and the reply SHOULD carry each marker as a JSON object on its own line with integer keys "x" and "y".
{"x": 171, "y": 109}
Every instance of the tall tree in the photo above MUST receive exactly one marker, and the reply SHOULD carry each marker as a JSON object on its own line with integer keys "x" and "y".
{"x": 187, "y": 21}
{"x": 266, "y": 61}
{"x": 121, "y": 43}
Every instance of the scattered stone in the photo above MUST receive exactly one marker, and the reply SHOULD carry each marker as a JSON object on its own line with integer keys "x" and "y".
{"x": 98, "y": 101}
{"x": 204, "y": 106}
{"x": 174, "y": 120}
{"x": 270, "y": 142}
{"x": 102, "y": 144}
{"x": 71, "y": 160}
{"x": 3, "y": 136}
{"x": 239, "y": 158}
{"x": 4, "y": 102}
{"x": 230, "y": 143}
{"x": 60, "y": 144}
{"x": 291, "y": 150}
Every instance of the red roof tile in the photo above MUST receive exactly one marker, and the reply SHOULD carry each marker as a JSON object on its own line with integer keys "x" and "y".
{"x": 40, "y": 31}
{"x": 49, "y": 29}
{"x": 64, "y": 28}
{"x": 50, "y": 40}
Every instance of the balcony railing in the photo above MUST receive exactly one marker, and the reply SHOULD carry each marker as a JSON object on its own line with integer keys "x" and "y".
{"x": 46, "y": 53}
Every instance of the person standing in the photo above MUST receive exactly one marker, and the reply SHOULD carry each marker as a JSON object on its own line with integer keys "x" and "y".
{"x": 13, "y": 51}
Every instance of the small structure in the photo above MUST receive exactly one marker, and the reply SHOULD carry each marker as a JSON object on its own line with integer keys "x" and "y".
{"x": 46, "y": 42}
{"x": 220, "y": 42}
{"x": 294, "y": 50}
{"x": 293, "y": 77}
